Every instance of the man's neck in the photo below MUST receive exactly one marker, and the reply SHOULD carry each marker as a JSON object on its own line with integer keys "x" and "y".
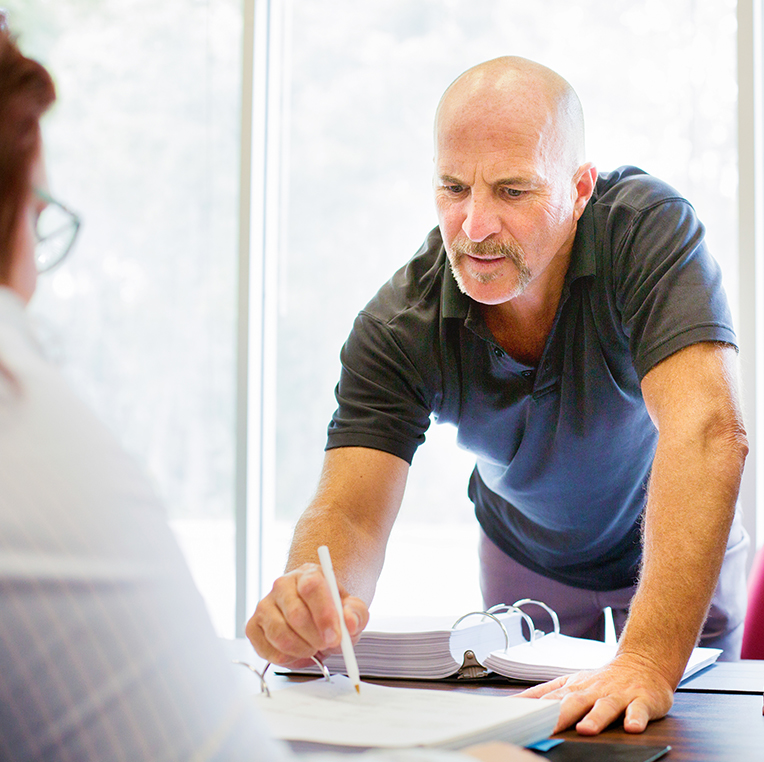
{"x": 522, "y": 325}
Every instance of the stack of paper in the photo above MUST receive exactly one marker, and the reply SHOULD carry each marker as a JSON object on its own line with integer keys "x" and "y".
{"x": 333, "y": 713}
{"x": 425, "y": 648}
{"x": 554, "y": 655}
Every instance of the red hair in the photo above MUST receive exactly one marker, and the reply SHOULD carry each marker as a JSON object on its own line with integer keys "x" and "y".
{"x": 26, "y": 92}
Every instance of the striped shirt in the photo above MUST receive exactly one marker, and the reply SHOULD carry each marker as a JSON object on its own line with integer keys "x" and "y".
{"x": 106, "y": 649}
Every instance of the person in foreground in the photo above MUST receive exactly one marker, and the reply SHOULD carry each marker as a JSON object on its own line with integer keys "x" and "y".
{"x": 575, "y": 331}
{"x": 106, "y": 649}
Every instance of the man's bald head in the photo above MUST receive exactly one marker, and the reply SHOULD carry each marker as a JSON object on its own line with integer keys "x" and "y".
{"x": 521, "y": 95}
{"x": 510, "y": 181}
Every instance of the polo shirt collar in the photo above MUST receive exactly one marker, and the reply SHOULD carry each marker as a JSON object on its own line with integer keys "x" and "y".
{"x": 583, "y": 260}
{"x": 453, "y": 303}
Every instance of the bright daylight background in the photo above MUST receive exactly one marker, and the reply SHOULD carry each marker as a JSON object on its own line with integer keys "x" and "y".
{"x": 144, "y": 143}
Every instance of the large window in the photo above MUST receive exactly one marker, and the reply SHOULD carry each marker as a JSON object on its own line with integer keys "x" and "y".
{"x": 146, "y": 143}
{"x": 363, "y": 81}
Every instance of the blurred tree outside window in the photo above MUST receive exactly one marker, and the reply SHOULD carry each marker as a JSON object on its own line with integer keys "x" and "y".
{"x": 657, "y": 82}
{"x": 144, "y": 143}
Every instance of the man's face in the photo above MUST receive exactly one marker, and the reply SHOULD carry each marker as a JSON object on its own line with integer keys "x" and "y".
{"x": 506, "y": 204}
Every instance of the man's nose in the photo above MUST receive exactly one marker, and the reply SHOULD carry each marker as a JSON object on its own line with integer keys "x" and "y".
{"x": 482, "y": 219}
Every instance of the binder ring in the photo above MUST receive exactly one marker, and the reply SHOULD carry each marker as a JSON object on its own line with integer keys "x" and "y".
{"x": 552, "y": 613}
{"x": 263, "y": 685}
{"x": 323, "y": 668}
{"x": 506, "y": 607}
{"x": 492, "y": 616}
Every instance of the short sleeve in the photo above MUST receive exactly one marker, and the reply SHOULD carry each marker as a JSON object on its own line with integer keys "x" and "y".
{"x": 382, "y": 400}
{"x": 668, "y": 285}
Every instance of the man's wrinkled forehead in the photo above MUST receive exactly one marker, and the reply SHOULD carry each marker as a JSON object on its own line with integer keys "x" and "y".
{"x": 481, "y": 128}
{"x": 495, "y": 143}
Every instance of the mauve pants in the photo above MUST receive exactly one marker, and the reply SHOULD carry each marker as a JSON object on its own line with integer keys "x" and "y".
{"x": 503, "y": 580}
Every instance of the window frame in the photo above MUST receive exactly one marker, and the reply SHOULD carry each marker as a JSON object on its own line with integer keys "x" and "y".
{"x": 260, "y": 222}
{"x": 751, "y": 256}
{"x": 263, "y": 114}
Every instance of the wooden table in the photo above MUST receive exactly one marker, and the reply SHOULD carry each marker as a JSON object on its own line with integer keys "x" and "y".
{"x": 701, "y": 727}
{"x": 714, "y": 719}
{"x": 717, "y": 725}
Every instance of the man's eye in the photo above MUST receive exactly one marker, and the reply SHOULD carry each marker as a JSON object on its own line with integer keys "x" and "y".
{"x": 456, "y": 189}
{"x": 513, "y": 192}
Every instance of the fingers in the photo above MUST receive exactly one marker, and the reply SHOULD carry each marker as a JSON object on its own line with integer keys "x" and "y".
{"x": 278, "y": 636}
{"x": 313, "y": 611}
{"x": 604, "y": 711}
{"x": 356, "y": 614}
{"x": 594, "y": 700}
{"x": 637, "y": 717}
{"x": 607, "y": 710}
{"x": 539, "y": 691}
{"x": 298, "y": 618}
{"x": 314, "y": 592}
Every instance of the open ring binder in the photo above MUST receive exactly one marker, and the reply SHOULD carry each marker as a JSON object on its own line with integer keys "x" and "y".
{"x": 500, "y": 607}
{"x": 417, "y": 649}
{"x": 471, "y": 668}
{"x": 548, "y": 656}
{"x": 428, "y": 648}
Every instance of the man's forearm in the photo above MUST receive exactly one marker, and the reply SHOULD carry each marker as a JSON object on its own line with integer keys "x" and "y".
{"x": 692, "y": 399}
{"x": 691, "y": 503}
{"x": 357, "y": 556}
{"x": 354, "y": 509}
{"x": 353, "y": 512}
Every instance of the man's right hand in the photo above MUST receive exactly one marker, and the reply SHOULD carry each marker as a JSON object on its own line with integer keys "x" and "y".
{"x": 358, "y": 497}
{"x": 298, "y": 619}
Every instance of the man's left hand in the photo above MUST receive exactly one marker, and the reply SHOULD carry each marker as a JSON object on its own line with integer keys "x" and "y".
{"x": 628, "y": 686}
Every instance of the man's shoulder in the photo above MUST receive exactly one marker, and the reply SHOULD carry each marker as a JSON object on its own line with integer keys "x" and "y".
{"x": 632, "y": 187}
{"x": 416, "y": 287}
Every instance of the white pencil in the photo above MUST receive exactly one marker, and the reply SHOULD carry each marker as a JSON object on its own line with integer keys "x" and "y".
{"x": 348, "y": 654}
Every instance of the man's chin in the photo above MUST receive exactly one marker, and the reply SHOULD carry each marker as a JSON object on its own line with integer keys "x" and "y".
{"x": 489, "y": 292}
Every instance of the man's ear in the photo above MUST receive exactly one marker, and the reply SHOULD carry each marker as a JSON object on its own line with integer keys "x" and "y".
{"x": 583, "y": 187}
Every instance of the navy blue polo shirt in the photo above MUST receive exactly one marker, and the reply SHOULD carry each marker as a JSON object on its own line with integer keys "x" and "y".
{"x": 563, "y": 449}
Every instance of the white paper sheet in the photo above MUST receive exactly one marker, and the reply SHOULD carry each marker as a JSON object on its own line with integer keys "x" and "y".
{"x": 553, "y": 655}
{"x": 387, "y": 717}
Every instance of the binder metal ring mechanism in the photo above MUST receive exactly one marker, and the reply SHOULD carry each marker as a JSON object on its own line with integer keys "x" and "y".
{"x": 517, "y": 606}
{"x": 429, "y": 648}
{"x": 475, "y": 648}
{"x": 471, "y": 668}
{"x": 261, "y": 675}
{"x": 264, "y": 685}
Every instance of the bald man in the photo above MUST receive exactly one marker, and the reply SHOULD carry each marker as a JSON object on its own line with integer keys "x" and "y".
{"x": 575, "y": 330}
